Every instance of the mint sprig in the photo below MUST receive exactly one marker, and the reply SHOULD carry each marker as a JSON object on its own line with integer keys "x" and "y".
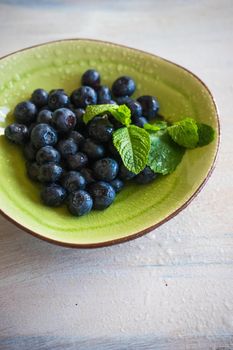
{"x": 133, "y": 145}
{"x": 165, "y": 154}
{"x": 206, "y": 134}
{"x": 121, "y": 113}
{"x": 185, "y": 133}
{"x": 160, "y": 125}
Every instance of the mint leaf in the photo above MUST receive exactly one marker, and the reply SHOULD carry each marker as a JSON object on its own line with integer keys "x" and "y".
{"x": 133, "y": 144}
{"x": 122, "y": 114}
{"x": 185, "y": 133}
{"x": 206, "y": 134}
{"x": 164, "y": 154}
{"x": 94, "y": 110}
{"x": 156, "y": 126}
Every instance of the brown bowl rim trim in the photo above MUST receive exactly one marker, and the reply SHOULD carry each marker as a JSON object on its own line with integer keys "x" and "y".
{"x": 167, "y": 218}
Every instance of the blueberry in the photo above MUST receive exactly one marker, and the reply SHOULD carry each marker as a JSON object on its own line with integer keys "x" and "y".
{"x": 145, "y": 176}
{"x": 73, "y": 181}
{"x": 30, "y": 128}
{"x": 43, "y": 135}
{"x": 92, "y": 149}
{"x": 123, "y": 86}
{"x": 49, "y": 172}
{"x": 122, "y": 100}
{"x": 47, "y": 154}
{"x": 40, "y": 97}
{"x": 79, "y": 203}
{"x": 79, "y": 113}
{"x": 77, "y": 137}
{"x": 77, "y": 161}
{"x": 64, "y": 119}
{"x": 83, "y": 97}
{"x": 33, "y": 170}
{"x": 100, "y": 129}
{"x": 106, "y": 101}
{"x": 57, "y": 99}
{"x": 125, "y": 174}
{"x": 106, "y": 169}
{"x": 87, "y": 173}
{"x": 135, "y": 108}
{"x": 140, "y": 121}
{"x": 53, "y": 195}
{"x": 25, "y": 112}
{"x": 150, "y": 106}
{"x": 91, "y": 78}
{"x": 113, "y": 151}
{"x": 17, "y": 133}
{"x": 117, "y": 184}
{"x": 45, "y": 116}
{"x": 103, "y": 194}
{"x": 66, "y": 147}
{"x": 115, "y": 122}
{"x": 103, "y": 94}
{"x": 29, "y": 151}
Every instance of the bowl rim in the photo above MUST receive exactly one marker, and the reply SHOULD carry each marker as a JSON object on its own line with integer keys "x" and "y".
{"x": 168, "y": 217}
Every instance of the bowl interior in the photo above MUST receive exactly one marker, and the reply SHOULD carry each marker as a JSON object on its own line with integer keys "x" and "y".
{"x": 60, "y": 64}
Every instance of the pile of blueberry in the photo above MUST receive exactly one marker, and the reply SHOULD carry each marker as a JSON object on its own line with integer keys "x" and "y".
{"x": 78, "y": 163}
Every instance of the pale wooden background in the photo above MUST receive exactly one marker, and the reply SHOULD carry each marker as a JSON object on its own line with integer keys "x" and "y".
{"x": 172, "y": 289}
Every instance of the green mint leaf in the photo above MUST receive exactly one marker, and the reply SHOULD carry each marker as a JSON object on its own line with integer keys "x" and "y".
{"x": 160, "y": 125}
{"x": 185, "y": 133}
{"x": 164, "y": 154}
{"x": 122, "y": 114}
{"x": 133, "y": 144}
{"x": 206, "y": 134}
{"x": 94, "y": 110}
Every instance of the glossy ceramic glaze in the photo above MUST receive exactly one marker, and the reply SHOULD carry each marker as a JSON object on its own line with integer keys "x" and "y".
{"x": 137, "y": 209}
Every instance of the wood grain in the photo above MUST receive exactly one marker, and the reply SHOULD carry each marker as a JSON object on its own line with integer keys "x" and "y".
{"x": 172, "y": 289}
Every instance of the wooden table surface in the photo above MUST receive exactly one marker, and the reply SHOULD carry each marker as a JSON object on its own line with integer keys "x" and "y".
{"x": 171, "y": 289}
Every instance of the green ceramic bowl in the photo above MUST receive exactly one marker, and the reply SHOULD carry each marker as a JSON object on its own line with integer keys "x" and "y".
{"x": 137, "y": 209}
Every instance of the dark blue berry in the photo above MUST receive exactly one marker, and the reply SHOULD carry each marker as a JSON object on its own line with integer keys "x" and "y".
{"x": 64, "y": 119}
{"x": 87, "y": 173}
{"x": 43, "y": 135}
{"x": 122, "y": 100}
{"x": 115, "y": 122}
{"x": 33, "y": 170}
{"x": 91, "y": 78}
{"x": 40, "y": 97}
{"x": 83, "y": 97}
{"x": 135, "y": 108}
{"x": 77, "y": 137}
{"x": 92, "y": 149}
{"x": 106, "y": 101}
{"x": 100, "y": 129}
{"x": 47, "y": 154}
{"x": 117, "y": 184}
{"x": 145, "y": 176}
{"x": 150, "y": 106}
{"x": 79, "y": 203}
{"x": 25, "y": 112}
{"x": 140, "y": 121}
{"x": 49, "y": 172}
{"x": 29, "y": 151}
{"x": 103, "y": 194}
{"x": 17, "y": 133}
{"x": 30, "y": 128}
{"x": 53, "y": 195}
{"x": 125, "y": 174}
{"x": 66, "y": 147}
{"x": 45, "y": 116}
{"x": 123, "y": 86}
{"x": 73, "y": 181}
{"x": 103, "y": 94}
{"x": 106, "y": 169}
{"x": 57, "y": 99}
{"x": 79, "y": 113}
{"x": 113, "y": 151}
{"x": 77, "y": 161}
